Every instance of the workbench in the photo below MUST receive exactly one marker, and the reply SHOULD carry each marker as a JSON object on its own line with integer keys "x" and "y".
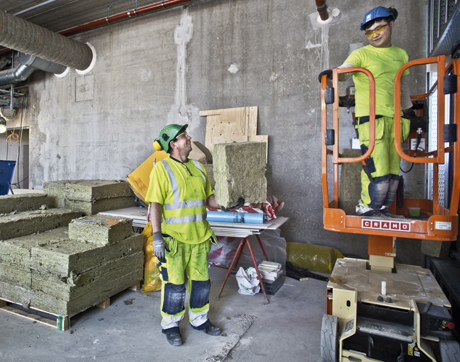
{"x": 236, "y": 230}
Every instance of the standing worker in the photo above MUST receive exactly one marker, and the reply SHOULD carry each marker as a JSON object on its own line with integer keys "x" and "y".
{"x": 380, "y": 176}
{"x": 179, "y": 191}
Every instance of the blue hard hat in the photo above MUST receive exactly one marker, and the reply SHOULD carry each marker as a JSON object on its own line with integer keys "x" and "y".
{"x": 378, "y": 12}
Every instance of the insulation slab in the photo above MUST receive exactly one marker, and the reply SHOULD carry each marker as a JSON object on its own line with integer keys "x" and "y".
{"x": 89, "y": 282}
{"x": 102, "y": 291}
{"x": 56, "y": 193}
{"x": 239, "y": 171}
{"x": 16, "y": 275}
{"x": 29, "y": 222}
{"x": 210, "y": 173}
{"x": 268, "y": 175}
{"x": 95, "y": 229}
{"x": 436, "y": 248}
{"x": 91, "y": 208}
{"x": 69, "y": 257}
{"x": 350, "y": 182}
{"x": 85, "y": 190}
{"x": 57, "y": 306}
{"x": 91, "y": 190}
{"x": 17, "y": 251}
{"x": 12, "y": 203}
{"x": 15, "y": 294}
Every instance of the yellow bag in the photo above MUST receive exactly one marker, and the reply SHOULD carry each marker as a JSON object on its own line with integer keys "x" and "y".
{"x": 152, "y": 279}
{"x": 312, "y": 257}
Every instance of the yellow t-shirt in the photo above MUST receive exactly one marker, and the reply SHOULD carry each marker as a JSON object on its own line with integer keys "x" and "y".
{"x": 383, "y": 63}
{"x": 182, "y": 189}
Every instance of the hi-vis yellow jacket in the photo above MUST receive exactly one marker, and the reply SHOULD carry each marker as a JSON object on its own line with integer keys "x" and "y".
{"x": 182, "y": 189}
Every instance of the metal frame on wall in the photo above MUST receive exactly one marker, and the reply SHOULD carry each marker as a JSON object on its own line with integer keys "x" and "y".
{"x": 443, "y": 26}
{"x": 443, "y": 36}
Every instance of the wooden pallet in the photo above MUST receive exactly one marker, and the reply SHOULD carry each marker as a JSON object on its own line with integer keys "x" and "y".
{"x": 57, "y": 321}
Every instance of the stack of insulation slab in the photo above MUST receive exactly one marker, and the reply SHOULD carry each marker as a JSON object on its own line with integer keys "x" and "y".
{"x": 69, "y": 269}
{"x": 90, "y": 196}
{"x": 27, "y": 214}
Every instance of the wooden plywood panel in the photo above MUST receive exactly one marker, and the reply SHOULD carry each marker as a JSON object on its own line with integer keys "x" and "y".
{"x": 252, "y": 120}
{"x": 232, "y": 125}
{"x": 229, "y": 125}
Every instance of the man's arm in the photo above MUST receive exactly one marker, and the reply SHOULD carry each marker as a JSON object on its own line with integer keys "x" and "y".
{"x": 211, "y": 202}
{"x": 345, "y": 76}
{"x": 159, "y": 245}
{"x": 342, "y": 76}
{"x": 406, "y": 103}
{"x": 155, "y": 216}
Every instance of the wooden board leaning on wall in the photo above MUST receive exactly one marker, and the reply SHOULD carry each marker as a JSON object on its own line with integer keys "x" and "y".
{"x": 232, "y": 125}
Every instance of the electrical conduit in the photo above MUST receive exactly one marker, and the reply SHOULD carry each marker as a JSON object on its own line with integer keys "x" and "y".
{"x": 125, "y": 15}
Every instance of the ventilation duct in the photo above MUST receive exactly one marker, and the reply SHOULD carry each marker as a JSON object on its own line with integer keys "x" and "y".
{"x": 21, "y": 35}
{"x": 17, "y": 75}
{"x": 29, "y": 64}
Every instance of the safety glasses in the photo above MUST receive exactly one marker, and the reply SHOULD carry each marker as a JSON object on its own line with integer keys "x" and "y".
{"x": 183, "y": 134}
{"x": 377, "y": 30}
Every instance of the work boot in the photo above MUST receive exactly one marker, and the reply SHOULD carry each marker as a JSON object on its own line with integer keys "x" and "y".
{"x": 377, "y": 215}
{"x": 174, "y": 338}
{"x": 212, "y": 330}
{"x": 389, "y": 214}
{"x": 364, "y": 210}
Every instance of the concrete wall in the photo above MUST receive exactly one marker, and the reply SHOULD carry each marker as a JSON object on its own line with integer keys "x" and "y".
{"x": 168, "y": 66}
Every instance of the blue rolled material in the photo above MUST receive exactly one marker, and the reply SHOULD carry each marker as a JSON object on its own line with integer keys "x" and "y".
{"x": 235, "y": 217}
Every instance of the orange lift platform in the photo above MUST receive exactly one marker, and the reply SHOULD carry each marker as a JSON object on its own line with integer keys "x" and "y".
{"x": 377, "y": 310}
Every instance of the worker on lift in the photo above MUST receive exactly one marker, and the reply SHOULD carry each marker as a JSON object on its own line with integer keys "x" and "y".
{"x": 179, "y": 191}
{"x": 380, "y": 175}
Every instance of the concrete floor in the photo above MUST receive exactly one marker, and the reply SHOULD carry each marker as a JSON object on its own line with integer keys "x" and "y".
{"x": 287, "y": 329}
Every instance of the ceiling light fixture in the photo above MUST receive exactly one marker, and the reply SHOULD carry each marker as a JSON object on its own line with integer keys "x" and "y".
{"x": 2, "y": 125}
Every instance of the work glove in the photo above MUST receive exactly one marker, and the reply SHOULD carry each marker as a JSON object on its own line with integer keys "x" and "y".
{"x": 327, "y": 71}
{"x": 409, "y": 113}
{"x": 237, "y": 206}
{"x": 159, "y": 246}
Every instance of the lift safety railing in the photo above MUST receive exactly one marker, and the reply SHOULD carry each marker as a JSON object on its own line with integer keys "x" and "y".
{"x": 439, "y": 154}
{"x": 436, "y": 215}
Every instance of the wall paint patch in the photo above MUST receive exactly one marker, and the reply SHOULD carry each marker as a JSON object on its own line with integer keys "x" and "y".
{"x": 181, "y": 112}
{"x": 233, "y": 69}
{"x": 274, "y": 77}
{"x": 310, "y": 45}
{"x": 84, "y": 88}
{"x": 321, "y": 37}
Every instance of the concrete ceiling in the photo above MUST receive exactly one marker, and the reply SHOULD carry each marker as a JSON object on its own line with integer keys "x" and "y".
{"x": 58, "y": 15}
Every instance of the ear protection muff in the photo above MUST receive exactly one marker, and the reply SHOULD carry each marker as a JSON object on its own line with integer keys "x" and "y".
{"x": 157, "y": 146}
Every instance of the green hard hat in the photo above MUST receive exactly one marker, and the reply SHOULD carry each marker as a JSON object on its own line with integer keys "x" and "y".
{"x": 167, "y": 134}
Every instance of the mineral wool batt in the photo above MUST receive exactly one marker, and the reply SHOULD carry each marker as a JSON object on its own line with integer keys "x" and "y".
{"x": 91, "y": 190}
{"x": 16, "y": 203}
{"x": 100, "y": 229}
{"x": 239, "y": 171}
{"x": 30, "y": 222}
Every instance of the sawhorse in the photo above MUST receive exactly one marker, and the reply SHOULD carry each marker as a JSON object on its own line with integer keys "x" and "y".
{"x": 236, "y": 258}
